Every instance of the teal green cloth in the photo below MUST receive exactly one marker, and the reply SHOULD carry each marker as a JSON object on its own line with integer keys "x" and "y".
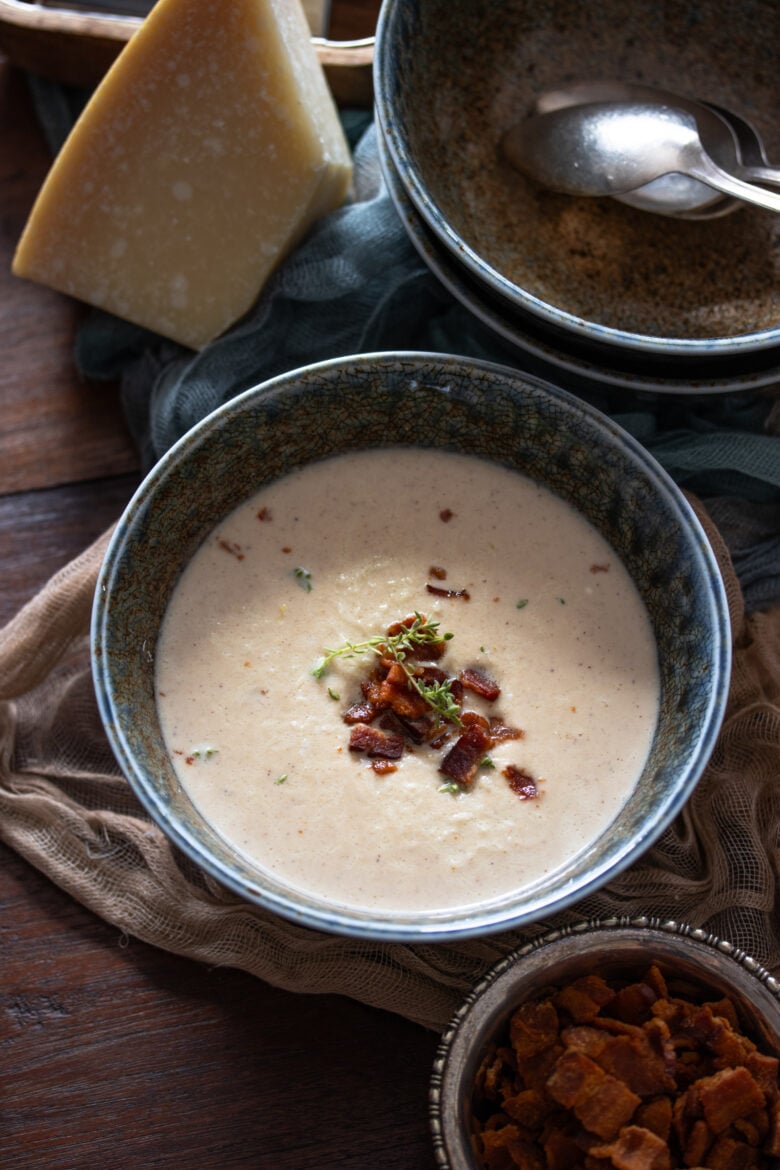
{"x": 357, "y": 285}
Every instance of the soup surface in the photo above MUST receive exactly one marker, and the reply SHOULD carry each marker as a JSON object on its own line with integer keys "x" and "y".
{"x": 336, "y": 553}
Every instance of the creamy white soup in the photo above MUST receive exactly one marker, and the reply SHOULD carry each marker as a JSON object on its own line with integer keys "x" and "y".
{"x": 533, "y": 598}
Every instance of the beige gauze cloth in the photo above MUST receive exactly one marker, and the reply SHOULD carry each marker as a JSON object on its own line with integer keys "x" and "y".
{"x": 66, "y": 808}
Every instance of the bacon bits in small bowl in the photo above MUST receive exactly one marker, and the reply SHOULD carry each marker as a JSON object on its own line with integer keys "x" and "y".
{"x": 622, "y": 1044}
{"x": 409, "y": 646}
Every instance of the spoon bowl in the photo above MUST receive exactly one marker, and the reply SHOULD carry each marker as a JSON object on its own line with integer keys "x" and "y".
{"x": 674, "y": 195}
{"x": 613, "y": 148}
{"x": 731, "y": 140}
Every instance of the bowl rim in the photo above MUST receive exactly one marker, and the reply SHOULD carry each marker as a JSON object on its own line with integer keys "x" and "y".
{"x": 457, "y": 1035}
{"x": 297, "y": 906}
{"x": 410, "y": 176}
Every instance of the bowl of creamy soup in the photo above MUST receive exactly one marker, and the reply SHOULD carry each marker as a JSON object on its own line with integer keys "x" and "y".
{"x": 627, "y": 1042}
{"x": 410, "y": 646}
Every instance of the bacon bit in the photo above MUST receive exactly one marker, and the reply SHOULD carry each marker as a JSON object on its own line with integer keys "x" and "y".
{"x": 431, "y": 652}
{"x": 437, "y": 573}
{"x": 405, "y": 624}
{"x": 599, "y": 568}
{"x": 395, "y": 692}
{"x": 431, "y": 674}
{"x": 480, "y": 683}
{"x": 416, "y": 730}
{"x": 444, "y": 735}
{"x": 287, "y": 549}
{"x": 264, "y": 514}
{"x": 474, "y": 719}
{"x": 374, "y": 742}
{"x": 383, "y": 767}
{"x": 520, "y": 782}
{"x": 464, "y": 757}
{"x": 230, "y": 546}
{"x": 773, "y": 1140}
{"x": 371, "y": 688}
{"x": 601, "y": 1102}
{"x": 725, "y": 1096}
{"x": 634, "y": 1148}
{"x": 438, "y": 592}
{"x": 500, "y": 731}
{"x": 189, "y": 759}
{"x": 396, "y": 676}
{"x": 446, "y": 515}
{"x": 360, "y": 713}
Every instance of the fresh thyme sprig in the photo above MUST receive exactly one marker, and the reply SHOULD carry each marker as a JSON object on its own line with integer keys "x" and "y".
{"x": 438, "y": 696}
{"x": 421, "y": 632}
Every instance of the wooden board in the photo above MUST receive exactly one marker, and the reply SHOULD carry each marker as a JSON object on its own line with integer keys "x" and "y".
{"x": 77, "y": 48}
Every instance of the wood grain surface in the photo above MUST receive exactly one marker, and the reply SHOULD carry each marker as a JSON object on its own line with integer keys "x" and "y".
{"x": 114, "y": 1053}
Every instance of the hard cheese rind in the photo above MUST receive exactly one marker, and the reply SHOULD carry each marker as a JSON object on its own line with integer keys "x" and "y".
{"x": 204, "y": 156}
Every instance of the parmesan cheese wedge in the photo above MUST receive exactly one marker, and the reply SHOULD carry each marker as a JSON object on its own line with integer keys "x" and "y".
{"x": 205, "y": 155}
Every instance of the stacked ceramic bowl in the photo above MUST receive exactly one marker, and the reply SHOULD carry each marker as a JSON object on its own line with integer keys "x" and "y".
{"x": 597, "y": 291}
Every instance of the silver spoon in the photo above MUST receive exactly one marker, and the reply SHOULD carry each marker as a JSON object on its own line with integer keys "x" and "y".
{"x": 732, "y": 142}
{"x": 611, "y": 148}
{"x": 674, "y": 195}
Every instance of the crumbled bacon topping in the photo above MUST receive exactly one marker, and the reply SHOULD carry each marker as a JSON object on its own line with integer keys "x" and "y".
{"x": 392, "y": 715}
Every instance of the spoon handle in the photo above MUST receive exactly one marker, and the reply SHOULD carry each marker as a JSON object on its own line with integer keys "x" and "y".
{"x": 702, "y": 167}
{"x": 770, "y": 175}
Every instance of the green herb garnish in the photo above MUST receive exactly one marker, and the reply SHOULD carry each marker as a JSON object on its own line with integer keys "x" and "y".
{"x": 451, "y": 787}
{"x": 334, "y": 694}
{"x": 422, "y": 632}
{"x": 281, "y": 779}
{"x": 303, "y": 577}
{"x": 522, "y": 603}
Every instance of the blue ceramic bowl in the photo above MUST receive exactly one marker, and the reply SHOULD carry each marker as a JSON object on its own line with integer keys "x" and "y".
{"x": 452, "y": 76}
{"x": 422, "y": 400}
{"x": 622, "y": 949}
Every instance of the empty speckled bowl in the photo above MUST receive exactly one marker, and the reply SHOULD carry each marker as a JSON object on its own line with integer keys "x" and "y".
{"x": 694, "y": 963}
{"x": 451, "y": 76}
{"x": 424, "y": 401}
{"x": 575, "y": 368}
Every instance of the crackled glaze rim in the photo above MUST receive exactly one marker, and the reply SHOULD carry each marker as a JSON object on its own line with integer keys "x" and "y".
{"x": 699, "y": 954}
{"x": 387, "y": 45}
{"x": 438, "y": 374}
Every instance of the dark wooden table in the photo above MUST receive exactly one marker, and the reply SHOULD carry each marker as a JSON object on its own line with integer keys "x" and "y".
{"x": 113, "y": 1053}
